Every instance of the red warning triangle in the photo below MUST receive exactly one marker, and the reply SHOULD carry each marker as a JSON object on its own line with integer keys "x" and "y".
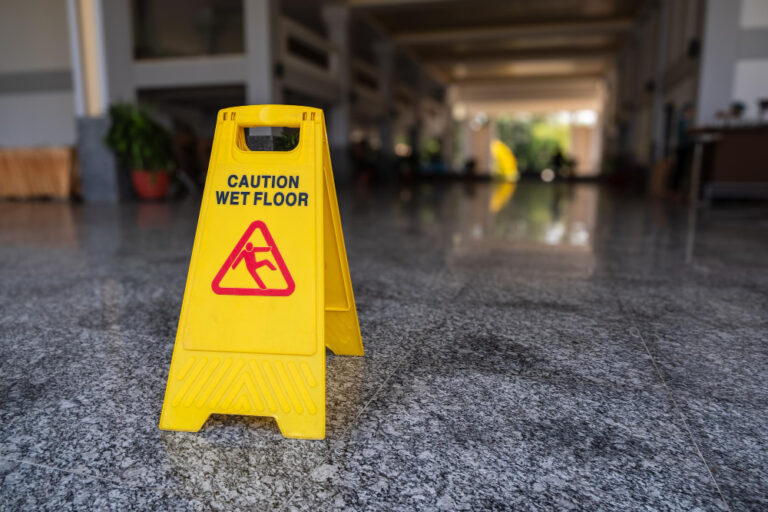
{"x": 259, "y": 266}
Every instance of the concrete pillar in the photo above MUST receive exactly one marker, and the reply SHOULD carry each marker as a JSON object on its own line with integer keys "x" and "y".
{"x": 720, "y": 50}
{"x": 78, "y": 86}
{"x": 478, "y": 144}
{"x": 466, "y": 144}
{"x": 102, "y": 73}
{"x": 416, "y": 132}
{"x": 261, "y": 29}
{"x": 448, "y": 136}
{"x": 385, "y": 56}
{"x": 118, "y": 51}
{"x": 339, "y": 116}
{"x": 447, "y": 139}
{"x": 658, "y": 80}
{"x": 490, "y": 137}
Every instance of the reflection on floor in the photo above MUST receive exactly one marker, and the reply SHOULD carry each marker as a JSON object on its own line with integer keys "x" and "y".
{"x": 527, "y": 347}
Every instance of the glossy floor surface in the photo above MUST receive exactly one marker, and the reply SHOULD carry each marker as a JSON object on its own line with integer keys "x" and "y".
{"x": 528, "y": 348}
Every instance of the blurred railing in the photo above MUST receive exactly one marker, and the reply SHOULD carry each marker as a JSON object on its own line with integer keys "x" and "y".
{"x": 309, "y": 64}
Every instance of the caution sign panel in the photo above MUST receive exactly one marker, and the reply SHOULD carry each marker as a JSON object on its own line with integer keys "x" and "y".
{"x": 268, "y": 285}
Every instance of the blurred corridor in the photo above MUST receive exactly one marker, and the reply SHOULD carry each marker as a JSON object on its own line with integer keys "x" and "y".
{"x": 618, "y": 90}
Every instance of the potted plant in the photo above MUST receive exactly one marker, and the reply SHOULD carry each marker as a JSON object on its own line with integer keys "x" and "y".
{"x": 142, "y": 146}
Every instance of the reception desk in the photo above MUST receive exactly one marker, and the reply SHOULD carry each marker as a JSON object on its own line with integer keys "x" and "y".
{"x": 734, "y": 161}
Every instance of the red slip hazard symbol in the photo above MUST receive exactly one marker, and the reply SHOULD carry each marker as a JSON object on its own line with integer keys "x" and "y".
{"x": 254, "y": 267}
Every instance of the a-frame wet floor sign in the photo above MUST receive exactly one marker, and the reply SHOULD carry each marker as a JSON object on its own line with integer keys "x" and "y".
{"x": 268, "y": 286}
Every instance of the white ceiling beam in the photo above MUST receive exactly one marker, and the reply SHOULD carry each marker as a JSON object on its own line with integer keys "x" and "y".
{"x": 533, "y": 80}
{"x": 388, "y": 3}
{"x": 520, "y": 56}
{"x": 436, "y": 74}
{"x": 189, "y": 71}
{"x": 452, "y": 35}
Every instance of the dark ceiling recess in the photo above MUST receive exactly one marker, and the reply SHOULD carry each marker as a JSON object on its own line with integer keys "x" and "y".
{"x": 455, "y": 36}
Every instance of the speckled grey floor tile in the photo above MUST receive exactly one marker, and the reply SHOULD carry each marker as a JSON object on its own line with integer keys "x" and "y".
{"x": 444, "y": 442}
{"x": 29, "y": 486}
{"x": 717, "y": 377}
{"x": 483, "y": 419}
{"x": 537, "y": 348}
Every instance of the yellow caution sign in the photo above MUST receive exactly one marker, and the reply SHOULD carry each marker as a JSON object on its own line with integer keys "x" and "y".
{"x": 268, "y": 286}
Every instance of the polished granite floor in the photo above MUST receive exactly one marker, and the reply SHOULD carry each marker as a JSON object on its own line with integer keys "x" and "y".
{"x": 528, "y": 348}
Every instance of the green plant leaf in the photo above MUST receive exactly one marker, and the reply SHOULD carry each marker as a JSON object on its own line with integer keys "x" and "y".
{"x": 137, "y": 140}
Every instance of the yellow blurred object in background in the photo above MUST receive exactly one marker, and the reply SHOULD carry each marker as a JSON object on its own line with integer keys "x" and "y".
{"x": 504, "y": 162}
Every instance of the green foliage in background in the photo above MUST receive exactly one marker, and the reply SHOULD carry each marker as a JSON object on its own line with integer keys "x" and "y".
{"x": 546, "y": 128}
{"x": 138, "y": 141}
{"x": 534, "y": 141}
{"x": 287, "y": 140}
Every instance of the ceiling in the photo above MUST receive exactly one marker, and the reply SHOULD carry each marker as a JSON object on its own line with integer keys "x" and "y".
{"x": 465, "y": 40}
{"x": 488, "y": 44}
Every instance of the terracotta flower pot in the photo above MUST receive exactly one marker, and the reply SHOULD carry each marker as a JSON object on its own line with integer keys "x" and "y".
{"x": 150, "y": 184}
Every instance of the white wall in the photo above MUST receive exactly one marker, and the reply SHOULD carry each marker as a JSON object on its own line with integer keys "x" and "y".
{"x": 37, "y": 119}
{"x": 734, "y": 58}
{"x": 754, "y": 13}
{"x": 750, "y": 79}
{"x": 34, "y": 49}
{"x": 750, "y": 83}
{"x": 33, "y": 35}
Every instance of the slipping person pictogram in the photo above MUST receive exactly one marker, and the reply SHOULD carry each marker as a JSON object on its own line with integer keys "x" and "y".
{"x": 248, "y": 253}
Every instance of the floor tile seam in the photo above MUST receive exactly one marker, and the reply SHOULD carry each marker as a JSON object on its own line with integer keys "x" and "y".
{"x": 95, "y": 330}
{"x": 110, "y": 336}
{"x": 116, "y": 482}
{"x": 706, "y": 322}
{"x": 568, "y": 383}
{"x": 674, "y": 309}
{"x": 406, "y": 357}
{"x": 635, "y": 332}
